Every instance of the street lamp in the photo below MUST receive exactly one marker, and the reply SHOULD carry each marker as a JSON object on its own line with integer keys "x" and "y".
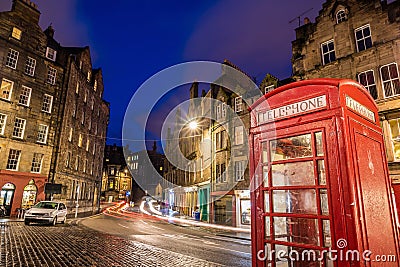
{"x": 193, "y": 125}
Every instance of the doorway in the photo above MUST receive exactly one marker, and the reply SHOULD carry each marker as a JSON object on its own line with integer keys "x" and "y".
{"x": 6, "y": 197}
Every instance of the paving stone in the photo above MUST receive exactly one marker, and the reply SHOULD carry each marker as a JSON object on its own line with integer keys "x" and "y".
{"x": 71, "y": 245}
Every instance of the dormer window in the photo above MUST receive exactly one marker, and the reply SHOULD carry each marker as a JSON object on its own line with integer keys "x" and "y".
{"x": 341, "y": 16}
{"x": 16, "y": 33}
{"x": 51, "y": 53}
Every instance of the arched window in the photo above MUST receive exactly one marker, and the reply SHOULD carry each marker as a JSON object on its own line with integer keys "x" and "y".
{"x": 29, "y": 195}
{"x": 341, "y": 16}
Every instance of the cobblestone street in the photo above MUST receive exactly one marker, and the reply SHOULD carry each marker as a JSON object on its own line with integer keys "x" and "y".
{"x": 71, "y": 245}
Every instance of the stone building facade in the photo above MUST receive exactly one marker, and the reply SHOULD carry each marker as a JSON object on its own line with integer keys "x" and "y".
{"x": 116, "y": 182}
{"x": 359, "y": 40}
{"x": 215, "y": 179}
{"x": 38, "y": 84}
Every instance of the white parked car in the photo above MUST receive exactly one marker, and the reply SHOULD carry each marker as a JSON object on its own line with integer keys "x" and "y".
{"x": 49, "y": 212}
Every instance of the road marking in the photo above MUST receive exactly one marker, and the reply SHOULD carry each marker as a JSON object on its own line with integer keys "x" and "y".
{"x": 123, "y": 225}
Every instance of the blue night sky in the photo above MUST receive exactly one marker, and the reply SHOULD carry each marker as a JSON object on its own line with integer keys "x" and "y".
{"x": 133, "y": 40}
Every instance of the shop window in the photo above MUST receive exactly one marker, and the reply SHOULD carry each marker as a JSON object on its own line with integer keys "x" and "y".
{"x": 245, "y": 211}
{"x": 328, "y": 52}
{"x": 390, "y": 79}
{"x": 363, "y": 38}
{"x": 367, "y": 79}
{"x": 29, "y": 195}
{"x": 395, "y": 134}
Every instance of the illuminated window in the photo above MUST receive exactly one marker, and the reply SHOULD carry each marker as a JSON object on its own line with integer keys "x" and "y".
{"x": 367, "y": 79}
{"x": 77, "y": 88}
{"x": 89, "y": 75}
{"x": 80, "y": 140}
{"x": 363, "y": 38}
{"x": 6, "y": 89}
{"x": 70, "y": 134}
{"x": 12, "y": 58}
{"x": 95, "y": 85}
{"x": 16, "y": 33}
{"x": 395, "y": 133}
{"x": 341, "y": 16}
{"x": 390, "y": 79}
{"x": 30, "y": 66}
{"x": 328, "y": 52}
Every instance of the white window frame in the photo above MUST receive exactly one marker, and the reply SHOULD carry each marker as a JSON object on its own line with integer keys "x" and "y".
{"x": 47, "y": 104}
{"x": 239, "y": 170}
{"x": 363, "y": 37}
{"x": 328, "y": 52}
{"x": 25, "y": 96}
{"x": 51, "y": 75}
{"x": 16, "y": 33}
{"x": 3, "y": 122}
{"x": 238, "y": 104}
{"x": 9, "y": 92}
{"x": 269, "y": 88}
{"x": 12, "y": 58}
{"x": 223, "y": 110}
{"x": 390, "y": 80}
{"x": 36, "y": 166}
{"x": 16, "y": 157}
{"x": 30, "y": 66}
{"x": 68, "y": 159}
{"x": 42, "y": 135}
{"x": 342, "y": 17}
{"x": 239, "y": 135}
{"x": 368, "y": 86}
{"x": 218, "y": 111}
{"x": 51, "y": 54}
{"x": 20, "y": 130}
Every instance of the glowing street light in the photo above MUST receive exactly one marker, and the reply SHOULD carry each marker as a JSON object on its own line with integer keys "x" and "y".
{"x": 193, "y": 125}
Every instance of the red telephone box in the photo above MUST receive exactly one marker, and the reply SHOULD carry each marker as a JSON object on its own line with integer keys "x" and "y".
{"x": 321, "y": 192}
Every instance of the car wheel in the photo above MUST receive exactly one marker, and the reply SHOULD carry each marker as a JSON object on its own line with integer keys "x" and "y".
{"x": 26, "y": 222}
{"x": 54, "y": 222}
{"x": 64, "y": 220}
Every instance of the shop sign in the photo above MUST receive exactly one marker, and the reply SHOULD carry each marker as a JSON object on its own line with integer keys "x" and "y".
{"x": 293, "y": 109}
{"x": 359, "y": 108}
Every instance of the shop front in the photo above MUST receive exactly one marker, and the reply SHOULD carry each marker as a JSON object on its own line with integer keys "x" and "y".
{"x": 20, "y": 190}
{"x": 243, "y": 208}
{"x": 320, "y": 179}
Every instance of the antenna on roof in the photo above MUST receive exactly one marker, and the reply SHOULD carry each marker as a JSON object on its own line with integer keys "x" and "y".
{"x": 299, "y": 16}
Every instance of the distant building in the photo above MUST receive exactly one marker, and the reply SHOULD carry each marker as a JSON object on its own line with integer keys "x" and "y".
{"x": 147, "y": 168}
{"x": 117, "y": 179}
{"x": 358, "y": 40}
{"x": 53, "y": 119}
